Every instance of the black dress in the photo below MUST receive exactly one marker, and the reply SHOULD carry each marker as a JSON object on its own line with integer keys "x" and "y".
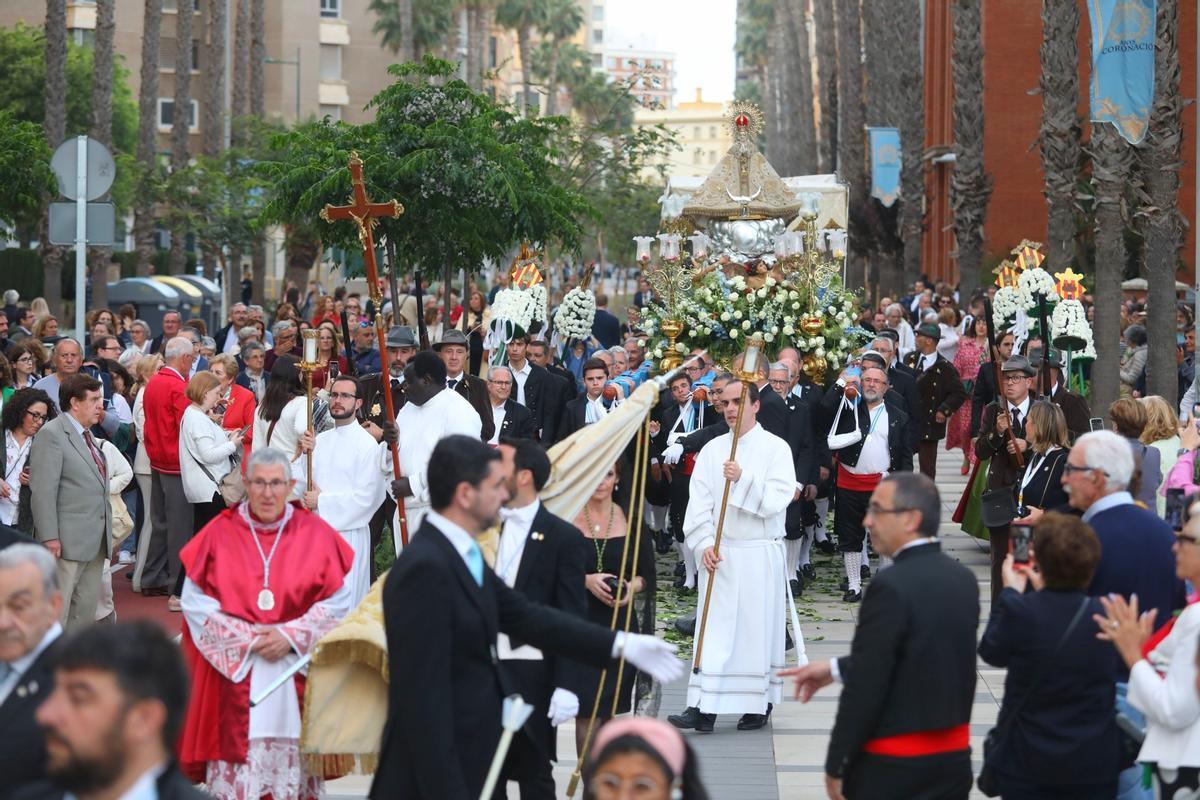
{"x": 1044, "y": 489}
{"x": 473, "y": 324}
{"x": 589, "y": 677}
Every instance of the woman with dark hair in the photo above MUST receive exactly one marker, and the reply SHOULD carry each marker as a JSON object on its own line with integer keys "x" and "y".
{"x": 1133, "y": 361}
{"x": 283, "y": 414}
{"x": 641, "y": 757}
{"x": 25, "y": 363}
{"x": 24, "y": 415}
{"x": 475, "y": 321}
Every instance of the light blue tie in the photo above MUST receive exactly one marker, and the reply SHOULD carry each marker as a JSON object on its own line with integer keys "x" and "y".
{"x": 475, "y": 562}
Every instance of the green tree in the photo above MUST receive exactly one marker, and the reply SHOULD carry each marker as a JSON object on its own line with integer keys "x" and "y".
{"x": 563, "y": 20}
{"x": 430, "y": 22}
{"x": 24, "y": 171}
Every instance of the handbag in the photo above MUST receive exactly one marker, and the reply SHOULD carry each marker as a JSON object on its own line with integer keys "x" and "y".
{"x": 999, "y": 507}
{"x": 231, "y": 487}
{"x": 987, "y": 773}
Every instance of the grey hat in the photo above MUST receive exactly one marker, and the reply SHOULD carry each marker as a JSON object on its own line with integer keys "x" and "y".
{"x": 401, "y": 336}
{"x": 930, "y": 330}
{"x": 452, "y": 336}
{"x": 1019, "y": 364}
{"x": 1035, "y": 358}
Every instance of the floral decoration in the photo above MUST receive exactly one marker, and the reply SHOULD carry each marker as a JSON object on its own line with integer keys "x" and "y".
{"x": 574, "y": 317}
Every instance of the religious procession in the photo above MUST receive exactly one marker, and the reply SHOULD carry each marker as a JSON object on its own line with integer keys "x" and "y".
{"x": 480, "y": 418}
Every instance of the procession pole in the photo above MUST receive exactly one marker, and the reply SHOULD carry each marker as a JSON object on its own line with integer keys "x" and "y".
{"x": 308, "y": 366}
{"x": 748, "y": 373}
{"x": 639, "y": 458}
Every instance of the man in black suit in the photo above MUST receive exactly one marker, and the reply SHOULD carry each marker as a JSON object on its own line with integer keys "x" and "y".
{"x": 510, "y": 419}
{"x": 536, "y": 389}
{"x": 984, "y": 390}
{"x": 941, "y": 391}
{"x": 120, "y": 742}
{"x": 543, "y": 557}
{"x": 588, "y": 407}
{"x": 539, "y": 354}
{"x": 605, "y": 325}
{"x": 902, "y": 726}
{"x": 453, "y": 348}
{"x": 171, "y": 323}
{"x": 901, "y": 379}
{"x": 227, "y": 337}
{"x": 29, "y": 634}
{"x": 1074, "y": 407}
{"x": 445, "y": 695}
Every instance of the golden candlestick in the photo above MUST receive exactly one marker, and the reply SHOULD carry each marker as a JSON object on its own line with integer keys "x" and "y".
{"x": 308, "y": 365}
{"x": 671, "y": 359}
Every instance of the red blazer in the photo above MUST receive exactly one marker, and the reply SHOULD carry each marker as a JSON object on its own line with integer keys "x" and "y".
{"x": 239, "y": 413}
{"x": 164, "y": 402}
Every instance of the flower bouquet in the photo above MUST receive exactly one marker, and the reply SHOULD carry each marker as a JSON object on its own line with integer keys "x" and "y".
{"x": 513, "y": 314}
{"x": 573, "y": 319}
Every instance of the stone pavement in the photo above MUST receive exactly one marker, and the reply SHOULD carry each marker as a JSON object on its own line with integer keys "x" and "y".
{"x": 786, "y": 760}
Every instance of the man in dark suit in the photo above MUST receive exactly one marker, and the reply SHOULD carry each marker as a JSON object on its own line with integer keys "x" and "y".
{"x": 120, "y": 743}
{"x": 445, "y": 696}
{"x": 227, "y": 337}
{"x": 29, "y": 633}
{"x": 984, "y": 391}
{"x": 941, "y": 392}
{"x": 605, "y": 325}
{"x": 510, "y": 419}
{"x": 1074, "y": 407}
{"x": 453, "y": 348}
{"x": 901, "y": 379}
{"x": 543, "y": 557}
{"x": 540, "y": 355}
{"x": 172, "y": 321}
{"x": 537, "y": 390}
{"x": 902, "y": 728}
{"x": 588, "y": 407}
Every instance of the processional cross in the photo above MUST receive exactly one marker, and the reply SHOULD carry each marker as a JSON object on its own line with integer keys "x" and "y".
{"x": 364, "y": 213}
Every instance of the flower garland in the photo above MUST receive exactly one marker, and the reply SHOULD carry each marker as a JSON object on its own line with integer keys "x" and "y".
{"x": 573, "y": 319}
{"x": 1033, "y": 282}
{"x": 1005, "y": 306}
{"x": 515, "y": 306}
{"x": 539, "y": 297}
{"x": 1070, "y": 319}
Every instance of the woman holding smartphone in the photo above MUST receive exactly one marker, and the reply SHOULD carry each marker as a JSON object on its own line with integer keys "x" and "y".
{"x": 238, "y": 402}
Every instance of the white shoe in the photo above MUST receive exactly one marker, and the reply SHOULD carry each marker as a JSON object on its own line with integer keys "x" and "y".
{"x": 125, "y": 557}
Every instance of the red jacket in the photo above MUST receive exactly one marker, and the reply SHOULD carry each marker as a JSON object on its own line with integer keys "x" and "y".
{"x": 164, "y": 402}
{"x": 239, "y": 413}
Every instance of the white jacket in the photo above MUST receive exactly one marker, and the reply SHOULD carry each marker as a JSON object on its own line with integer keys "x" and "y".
{"x": 1170, "y": 701}
{"x": 141, "y": 460}
{"x": 201, "y": 441}
{"x": 293, "y": 421}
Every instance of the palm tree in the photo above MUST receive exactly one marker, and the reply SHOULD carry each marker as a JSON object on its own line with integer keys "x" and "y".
{"x": 1059, "y": 134}
{"x": 909, "y": 64}
{"x": 882, "y": 97}
{"x": 241, "y": 63}
{"x": 478, "y": 25}
{"x": 970, "y": 185}
{"x": 563, "y": 20}
{"x": 181, "y": 122}
{"x": 411, "y": 28}
{"x": 523, "y": 16}
{"x": 55, "y": 96}
{"x": 214, "y": 109}
{"x": 101, "y": 127}
{"x": 795, "y": 106}
{"x": 1112, "y": 174}
{"x": 143, "y": 211}
{"x": 826, "y": 83}
{"x": 258, "y": 108}
{"x": 851, "y": 118}
{"x": 1159, "y": 158}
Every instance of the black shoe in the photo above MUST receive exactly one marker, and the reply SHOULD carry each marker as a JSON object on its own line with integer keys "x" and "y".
{"x": 753, "y": 722}
{"x": 797, "y": 587}
{"x": 864, "y": 571}
{"x": 809, "y": 572}
{"x": 844, "y": 585}
{"x": 664, "y": 542}
{"x": 686, "y": 625}
{"x": 852, "y": 597}
{"x": 680, "y": 569}
{"x": 826, "y": 547}
{"x": 679, "y": 581}
{"x": 691, "y": 718}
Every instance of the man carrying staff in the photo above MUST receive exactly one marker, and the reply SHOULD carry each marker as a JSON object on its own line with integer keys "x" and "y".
{"x": 265, "y": 580}
{"x": 743, "y": 645}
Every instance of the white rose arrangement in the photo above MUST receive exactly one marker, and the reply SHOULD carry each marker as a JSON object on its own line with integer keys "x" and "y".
{"x": 515, "y": 307}
{"x": 540, "y": 299}
{"x": 1033, "y": 282}
{"x": 1005, "y": 306}
{"x": 1070, "y": 319}
{"x": 574, "y": 317}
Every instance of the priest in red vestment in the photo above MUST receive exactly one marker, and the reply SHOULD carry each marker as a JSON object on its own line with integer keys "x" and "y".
{"x": 264, "y": 581}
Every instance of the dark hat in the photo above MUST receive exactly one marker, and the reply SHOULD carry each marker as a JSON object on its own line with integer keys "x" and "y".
{"x": 401, "y": 336}
{"x": 1019, "y": 364}
{"x": 930, "y": 330}
{"x": 452, "y": 336}
{"x": 875, "y": 357}
{"x": 888, "y": 333}
{"x": 1054, "y": 360}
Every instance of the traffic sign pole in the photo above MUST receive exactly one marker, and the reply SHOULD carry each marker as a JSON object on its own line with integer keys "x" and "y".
{"x": 80, "y": 235}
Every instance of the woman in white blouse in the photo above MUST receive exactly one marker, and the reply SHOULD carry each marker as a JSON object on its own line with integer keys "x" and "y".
{"x": 143, "y": 370}
{"x": 24, "y": 415}
{"x": 283, "y": 413}
{"x": 1162, "y": 683}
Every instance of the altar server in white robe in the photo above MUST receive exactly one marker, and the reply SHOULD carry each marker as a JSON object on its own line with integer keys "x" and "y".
{"x": 744, "y": 638}
{"x": 431, "y": 413}
{"x": 347, "y": 485}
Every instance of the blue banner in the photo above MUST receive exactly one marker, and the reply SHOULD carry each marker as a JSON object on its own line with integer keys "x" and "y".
{"x": 1122, "y": 90}
{"x": 885, "y": 164}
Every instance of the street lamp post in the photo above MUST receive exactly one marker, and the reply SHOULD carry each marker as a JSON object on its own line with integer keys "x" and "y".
{"x": 296, "y": 64}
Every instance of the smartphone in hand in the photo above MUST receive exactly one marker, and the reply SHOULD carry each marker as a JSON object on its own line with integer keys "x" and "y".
{"x": 1173, "y": 515}
{"x": 1020, "y": 541}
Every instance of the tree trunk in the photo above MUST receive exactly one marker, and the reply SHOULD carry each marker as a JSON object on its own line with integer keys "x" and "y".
{"x": 101, "y": 129}
{"x": 407, "y": 51}
{"x": 911, "y": 117}
{"x": 303, "y": 248}
{"x": 798, "y": 103}
{"x": 826, "y": 83}
{"x": 55, "y": 98}
{"x": 1059, "y": 135}
{"x": 850, "y": 153}
{"x": 1112, "y": 160}
{"x": 476, "y": 39}
{"x": 970, "y": 185}
{"x": 1159, "y": 161}
{"x": 214, "y": 108}
{"x": 143, "y": 212}
{"x": 881, "y": 36}
{"x": 258, "y": 55}
{"x": 777, "y": 70}
{"x": 241, "y": 63}
{"x": 526, "y": 68}
{"x": 180, "y": 133}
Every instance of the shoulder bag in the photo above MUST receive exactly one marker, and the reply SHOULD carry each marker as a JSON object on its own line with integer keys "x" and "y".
{"x": 987, "y": 774}
{"x": 231, "y": 487}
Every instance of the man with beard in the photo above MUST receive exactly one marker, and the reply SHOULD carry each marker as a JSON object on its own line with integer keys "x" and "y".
{"x": 346, "y": 484}
{"x": 113, "y": 717}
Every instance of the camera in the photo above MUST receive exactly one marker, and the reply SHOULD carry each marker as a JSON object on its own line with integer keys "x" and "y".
{"x": 613, "y": 584}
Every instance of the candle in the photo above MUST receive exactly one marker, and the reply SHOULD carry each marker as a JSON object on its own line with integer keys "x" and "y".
{"x": 668, "y": 246}
{"x": 643, "y": 247}
{"x": 810, "y": 204}
{"x": 699, "y": 245}
{"x": 750, "y": 357}
{"x": 310, "y": 345}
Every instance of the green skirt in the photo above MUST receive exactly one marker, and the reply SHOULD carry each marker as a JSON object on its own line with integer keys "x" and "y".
{"x": 972, "y": 522}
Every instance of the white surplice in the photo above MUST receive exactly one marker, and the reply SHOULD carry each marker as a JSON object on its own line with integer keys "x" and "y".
{"x": 345, "y": 469}
{"x": 743, "y": 640}
{"x": 420, "y": 429}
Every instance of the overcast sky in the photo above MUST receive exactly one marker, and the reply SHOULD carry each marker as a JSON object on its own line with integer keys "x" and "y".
{"x": 700, "y": 32}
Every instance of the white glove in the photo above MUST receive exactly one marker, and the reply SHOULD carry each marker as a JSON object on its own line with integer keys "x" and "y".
{"x": 563, "y": 706}
{"x": 649, "y": 654}
{"x": 672, "y": 454}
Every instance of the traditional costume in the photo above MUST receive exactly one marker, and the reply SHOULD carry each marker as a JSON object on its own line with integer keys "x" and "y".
{"x": 743, "y": 644}
{"x": 345, "y": 470}
{"x": 421, "y": 428}
{"x": 242, "y": 574}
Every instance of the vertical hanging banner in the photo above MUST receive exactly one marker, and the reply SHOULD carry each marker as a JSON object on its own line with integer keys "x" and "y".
{"x": 885, "y": 164}
{"x": 1122, "y": 86}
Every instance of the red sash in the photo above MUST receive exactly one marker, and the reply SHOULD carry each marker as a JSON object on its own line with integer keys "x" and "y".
{"x": 921, "y": 743}
{"x": 688, "y": 464}
{"x": 854, "y": 482}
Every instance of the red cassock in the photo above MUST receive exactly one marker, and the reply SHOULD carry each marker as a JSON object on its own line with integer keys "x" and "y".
{"x": 309, "y": 566}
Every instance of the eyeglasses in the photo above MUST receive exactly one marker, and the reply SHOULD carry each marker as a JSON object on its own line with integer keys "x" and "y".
{"x": 500, "y": 383}
{"x": 258, "y": 484}
{"x": 876, "y": 509}
{"x": 1014, "y": 378}
{"x": 36, "y": 417}
{"x": 1070, "y": 469}
{"x": 343, "y": 395}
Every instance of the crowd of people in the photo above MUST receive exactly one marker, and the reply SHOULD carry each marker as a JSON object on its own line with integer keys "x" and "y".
{"x": 202, "y": 464}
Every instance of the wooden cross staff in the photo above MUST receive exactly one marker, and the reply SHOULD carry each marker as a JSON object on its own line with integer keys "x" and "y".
{"x": 364, "y": 213}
